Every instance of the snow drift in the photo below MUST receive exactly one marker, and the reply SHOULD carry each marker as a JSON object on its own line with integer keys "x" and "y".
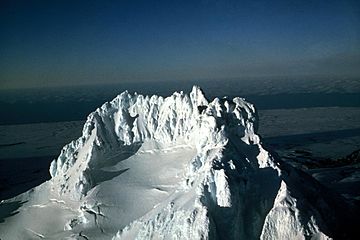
{"x": 179, "y": 167}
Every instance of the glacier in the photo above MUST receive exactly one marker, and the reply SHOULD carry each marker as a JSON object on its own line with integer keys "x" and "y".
{"x": 177, "y": 167}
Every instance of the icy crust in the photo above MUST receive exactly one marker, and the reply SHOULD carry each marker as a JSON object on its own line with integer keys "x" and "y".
{"x": 231, "y": 189}
{"x": 130, "y": 119}
{"x": 283, "y": 220}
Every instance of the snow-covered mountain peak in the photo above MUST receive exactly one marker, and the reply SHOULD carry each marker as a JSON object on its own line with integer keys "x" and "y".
{"x": 132, "y": 119}
{"x": 179, "y": 167}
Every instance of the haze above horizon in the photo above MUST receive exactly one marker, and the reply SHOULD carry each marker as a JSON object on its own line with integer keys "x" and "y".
{"x": 61, "y": 43}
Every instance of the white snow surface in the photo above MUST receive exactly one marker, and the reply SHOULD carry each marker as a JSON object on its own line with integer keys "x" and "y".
{"x": 178, "y": 167}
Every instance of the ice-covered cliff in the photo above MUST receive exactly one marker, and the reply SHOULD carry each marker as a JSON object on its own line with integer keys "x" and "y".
{"x": 178, "y": 167}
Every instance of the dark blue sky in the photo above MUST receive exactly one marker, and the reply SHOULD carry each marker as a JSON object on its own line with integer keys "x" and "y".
{"x": 52, "y": 43}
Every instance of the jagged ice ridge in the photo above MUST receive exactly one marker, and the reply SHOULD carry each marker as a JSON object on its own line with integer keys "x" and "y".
{"x": 178, "y": 167}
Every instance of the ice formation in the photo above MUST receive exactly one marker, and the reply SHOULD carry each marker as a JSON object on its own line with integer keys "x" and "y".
{"x": 178, "y": 167}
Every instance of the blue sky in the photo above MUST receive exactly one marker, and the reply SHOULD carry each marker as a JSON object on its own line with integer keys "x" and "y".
{"x": 55, "y": 43}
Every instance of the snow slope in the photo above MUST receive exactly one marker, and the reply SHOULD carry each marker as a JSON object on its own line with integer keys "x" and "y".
{"x": 179, "y": 167}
